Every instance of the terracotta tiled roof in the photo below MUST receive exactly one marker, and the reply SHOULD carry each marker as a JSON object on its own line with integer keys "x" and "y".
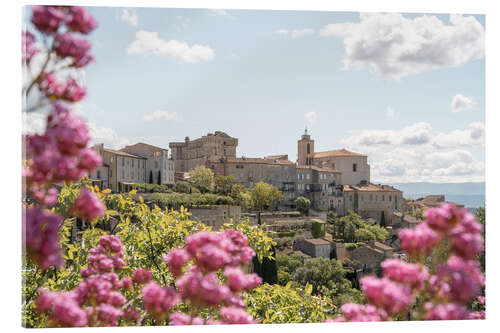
{"x": 144, "y": 144}
{"x": 337, "y": 152}
{"x": 381, "y": 246}
{"x": 317, "y": 241}
{"x": 256, "y": 160}
{"x": 371, "y": 188}
{"x": 317, "y": 168}
{"x": 121, "y": 153}
{"x": 277, "y": 157}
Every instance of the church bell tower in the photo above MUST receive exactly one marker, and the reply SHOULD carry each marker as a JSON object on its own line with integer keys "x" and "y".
{"x": 305, "y": 149}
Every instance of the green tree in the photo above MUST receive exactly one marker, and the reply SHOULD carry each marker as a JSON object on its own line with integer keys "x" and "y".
{"x": 159, "y": 177}
{"x": 151, "y": 176}
{"x": 202, "y": 178}
{"x": 241, "y": 197}
{"x": 317, "y": 230}
{"x": 303, "y": 205}
{"x": 382, "y": 220}
{"x": 328, "y": 278}
{"x": 265, "y": 196}
{"x": 223, "y": 184}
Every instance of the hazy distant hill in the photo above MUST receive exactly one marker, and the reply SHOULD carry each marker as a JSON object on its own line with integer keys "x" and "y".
{"x": 442, "y": 188}
{"x": 470, "y": 194}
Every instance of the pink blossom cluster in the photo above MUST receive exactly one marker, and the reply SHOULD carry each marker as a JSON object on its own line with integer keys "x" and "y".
{"x": 67, "y": 45}
{"x": 69, "y": 91}
{"x": 29, "y": 49}
{"x": 97, "y": 300}
{"x": 142, "y": 276}
{"x": 447, "y": 292}
{"x": 198, "y": 284}
{"x": 40, "y": 237}
{"x": 49, "y": 19}
{"x": 88, "y": 205}
{"x": 60, "y": 154}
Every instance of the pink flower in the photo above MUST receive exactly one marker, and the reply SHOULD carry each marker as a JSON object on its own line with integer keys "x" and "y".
{"x": 202, "y": 289}
{"x": 88, "y": 206}
{"x": 89, "y": 159}
{"x": 158, "y": 301}
{"x": 132, "y": 315}
{"x": 72, "y": 92}
{"x": 41, "y": 238}
{"x": 442, "y": 218}
{"x": 419, "y": 241}
{"x": 176, "y": 259}
{"x": 179, "y": 318}
{"x": 47, "y": 19}
{"x": 477, "y": 315}
{"x": 142, "y": 276}
{"x": 232, "y": 315}
{"x": 81, "y": 20}
{"x": 386, "y": 294}
{"x": 29, "y": 49}
{"x": 127, "y": 283}
{"x": 406, "y": 273}
{"x": 358, "y": 312}
{"x": 450, "y": 311}
{"x": 237, "y": 280}
{"x": 68, "y": 45}
{"x": 61, "y": 308}
{"x": 107, "y": 314}
{"x": 463, "y": 277}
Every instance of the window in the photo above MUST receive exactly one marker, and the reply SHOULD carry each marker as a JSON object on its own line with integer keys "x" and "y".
{"x": 308, "y": 148}
{"x": 156, "y": 164}
{"x": 333, "y": 166}
{"x": 123, "y": 161}
{"x": 383, "y": 197}
{"x": 132, "y": 163}
{"x": 350, "y": 198}
{"x": 307, "y": 176}
{"x": 390, "y": 198}
{"x": 354, "y": 167}
{"x": 98, "y": 174}
{"x": 110, "y": 173}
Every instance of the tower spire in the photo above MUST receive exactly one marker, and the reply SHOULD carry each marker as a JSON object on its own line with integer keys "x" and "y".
{"x": 305, "y": 132}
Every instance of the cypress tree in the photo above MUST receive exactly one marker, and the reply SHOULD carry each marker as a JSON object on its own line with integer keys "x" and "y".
{"x": 159, "y": 177}
{"x": 382, "y": 220}
{"x": 151, "y": 176}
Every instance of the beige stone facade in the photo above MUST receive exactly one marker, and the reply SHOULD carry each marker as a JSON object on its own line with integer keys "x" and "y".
{"x": 122, "y": 169}
{"x": 189, "y": 154}
{"x": 371, "y": 200}
{"x": 315, "y": 247}
{"x": 159, "y": 168}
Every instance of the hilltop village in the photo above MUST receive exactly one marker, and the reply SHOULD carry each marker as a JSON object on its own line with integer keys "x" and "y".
{"x": 348, "y": 216}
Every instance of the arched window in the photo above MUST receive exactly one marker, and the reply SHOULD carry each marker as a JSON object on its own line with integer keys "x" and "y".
{"x": 308, "y": 148}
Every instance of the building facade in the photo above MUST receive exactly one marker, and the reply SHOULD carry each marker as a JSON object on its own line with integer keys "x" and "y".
{"x": 159, "y": 168}
{"x": 119, "y": 169}
{"x": 189, "y": 154}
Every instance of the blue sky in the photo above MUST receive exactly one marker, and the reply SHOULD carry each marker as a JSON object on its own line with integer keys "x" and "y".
{"x": 377, "y": 84}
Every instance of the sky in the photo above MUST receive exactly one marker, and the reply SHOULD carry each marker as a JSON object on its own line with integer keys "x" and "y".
{"x": 408, "y": 90}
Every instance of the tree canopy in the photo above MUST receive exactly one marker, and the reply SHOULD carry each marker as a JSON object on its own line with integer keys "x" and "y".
{"x": 202, "y": 178}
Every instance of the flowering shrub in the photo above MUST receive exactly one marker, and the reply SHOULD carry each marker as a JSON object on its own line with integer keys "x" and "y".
{"x": 441, "y": 280}
{"x": 60, "y": 154}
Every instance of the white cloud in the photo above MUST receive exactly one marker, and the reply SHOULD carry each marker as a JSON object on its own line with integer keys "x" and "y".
{"x": 129, "y": 16}
{"x": 416, "y": 134}
{"x": 473, "y": 135}
{"x": 162, "y": 115}
{"x": 295, "y": 33}
{"x": 149, "y": 42}
{"x": 311, "y": 117}
{"x": 106, "y": 135}
{"x": 417, "y": 153}
{"x": 389, "y": 112}
{"x": 462, "y": 103}
{"x": 395, "y": 46}
{"x": 220, "y": 12}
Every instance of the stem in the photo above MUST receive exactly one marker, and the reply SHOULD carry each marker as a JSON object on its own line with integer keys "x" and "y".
{"x": 154, "y": 255}
{"x": 37, "y": 78}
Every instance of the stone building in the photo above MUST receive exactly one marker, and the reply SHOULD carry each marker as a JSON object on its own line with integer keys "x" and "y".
{"x": 370, "y": 200}
{"x": 159, "y": 168}
{"x": 353, "y": 166}
{"x": 119, "y": 169}
{"x": 189, "y": 154}
{"x": 317, "y": 184}
{"x": 370, "y": 256}
{"x": 315, "y": 247}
